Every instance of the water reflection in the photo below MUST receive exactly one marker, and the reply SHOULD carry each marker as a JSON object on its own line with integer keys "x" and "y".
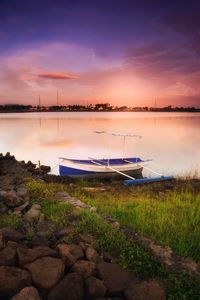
{"x": 171, "y": 139}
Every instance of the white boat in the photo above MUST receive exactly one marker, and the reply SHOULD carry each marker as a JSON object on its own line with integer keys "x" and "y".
{"x": 130, "y": 167}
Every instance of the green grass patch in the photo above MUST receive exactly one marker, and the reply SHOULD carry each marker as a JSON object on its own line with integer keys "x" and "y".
{"x": 42, "y": 190}
{"x": 14, "y": 221}
{"x": 171, "y": 217}
{"x": 135, "y": 257}
{"x": 56, "y": 211}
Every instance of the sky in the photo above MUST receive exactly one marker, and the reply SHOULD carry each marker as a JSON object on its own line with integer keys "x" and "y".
{"x": 125, "y": 52}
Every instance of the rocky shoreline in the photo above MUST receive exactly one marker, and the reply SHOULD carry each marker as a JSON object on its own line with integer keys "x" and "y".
{"x": 33, "y": 266}
{"x": 39, "y": 268}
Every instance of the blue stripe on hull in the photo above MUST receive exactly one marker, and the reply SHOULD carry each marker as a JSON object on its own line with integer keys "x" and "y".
{"x": 72, "y": 172}
{"x": 67, "y": 171}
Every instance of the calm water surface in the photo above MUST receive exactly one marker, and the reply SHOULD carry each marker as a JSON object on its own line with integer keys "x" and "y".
{"x": 171, "y": 139}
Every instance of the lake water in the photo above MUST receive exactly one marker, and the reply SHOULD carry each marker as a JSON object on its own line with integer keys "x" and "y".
{"x": 171, "y": 139}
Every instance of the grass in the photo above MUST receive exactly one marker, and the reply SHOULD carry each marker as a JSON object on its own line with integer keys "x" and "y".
{"x": 56, "y": 212}
{"x": 42, "y": 190}
{"x": 13, "y": 221}
{"x": 171, "y": 217}
{"x": 135, "y": 257}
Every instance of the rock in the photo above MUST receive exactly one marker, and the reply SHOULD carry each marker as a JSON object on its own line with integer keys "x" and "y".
{"x": 84, "y": 246}
{"x": 150, "y": 290}
{"x": 45, "y": 227}
{"x": 15, "y": 245}
{"x": 84, "y": 268}
{"x": 76, "y": 251}
{"x": 11, "y": 199}
{"x": 95, "y": 288}
{"x": 115, "y": 279}
{"x": 65, "y": 254}
{"x": 7, "y": 257}
{"x": 92, "y": 255}
{"x": 33, "y": 213}
{"x": 46, "y": 271}
{"x": 3, "y": 208}
{"x": 2, "y": 241}
{"x": 93, "y": 209}
{"x": 26, "y": 256}
{"x": 22, "y": 207}
{"x": 86, "y": 238}
{"x": 12, "y": 280}
{"x": 23, "y": 193}
{"x": 65, "y": 232}
{"x": 45, "y": 169}
{"x": 11, "y": 234}
{"x": 70, "y": 288}
{"x": 107, "y": 257}
{"x": 28, "y": 293}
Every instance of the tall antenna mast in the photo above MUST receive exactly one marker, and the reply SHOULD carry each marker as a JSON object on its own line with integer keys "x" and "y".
{"x": 57, "y": 99}
{"x": 155, "y": 103}
{"x": 39, "y": 101}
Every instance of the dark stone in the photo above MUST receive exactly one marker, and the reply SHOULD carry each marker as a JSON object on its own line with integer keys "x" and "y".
{"x": 64, "y": 232}
{"x": 2, "y": 241}
{"x": 11, "y": 234}
{"x": 65, "y": 254}
{"x": 8, "y": 257}
{"x": 86, "y": 238}
{"x": 26, "y": 256}
{"x": 45, "y": 169}
{"x": 46, "y": 271}
{"x": 84, "y": 268}
{"x": 12, "y": 280}
{"x": 3, "y": 208}
{"x": 92, "y": 255}
{"x": 115, "y": 279}
{"x": 70, "y": 288}
{"x": 45, "y": 228}
{"x": 15, "y": 245}
{"x": 95, "y": 288}
{"x": 28, "y": 293}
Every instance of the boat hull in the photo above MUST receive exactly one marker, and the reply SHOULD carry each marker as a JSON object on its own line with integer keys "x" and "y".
{"x": 101, "y": 168}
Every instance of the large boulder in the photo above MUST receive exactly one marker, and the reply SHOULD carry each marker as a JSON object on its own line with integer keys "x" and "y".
{"x": 70, "y": 288}
{"x": 95, "y": 288}
{"x": 3, "y": 208}
{"x": 10, "y": 234}
{"x": 92, "y": 255}
{"x": 26, "y": 256}
{"x": 2, "y": 241}
{"x": 150, "y": 290}
{"x": 45, "y": 228}
{"x": 28, "y": 293}
{"x": 46, "y": 271}
{"x": 84, "y": 268}
{"x": 15, "y": 198}
{"x": 7, "y": 257}
{"x": 115, "y": 279}
{"x": 33, "y": 213}
{"x": 70, "y": 253}
{"x": 12, "y": 280}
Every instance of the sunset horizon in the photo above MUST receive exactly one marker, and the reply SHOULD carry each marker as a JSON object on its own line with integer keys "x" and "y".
{"x": 124, "y": 53}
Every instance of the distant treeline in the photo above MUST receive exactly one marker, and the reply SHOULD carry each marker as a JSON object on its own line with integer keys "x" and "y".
{"x": 92, "y": 107}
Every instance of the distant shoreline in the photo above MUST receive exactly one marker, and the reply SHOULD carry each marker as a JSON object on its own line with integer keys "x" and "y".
{"x": 100, "y": 107}
{"x": 196, "y": 110}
